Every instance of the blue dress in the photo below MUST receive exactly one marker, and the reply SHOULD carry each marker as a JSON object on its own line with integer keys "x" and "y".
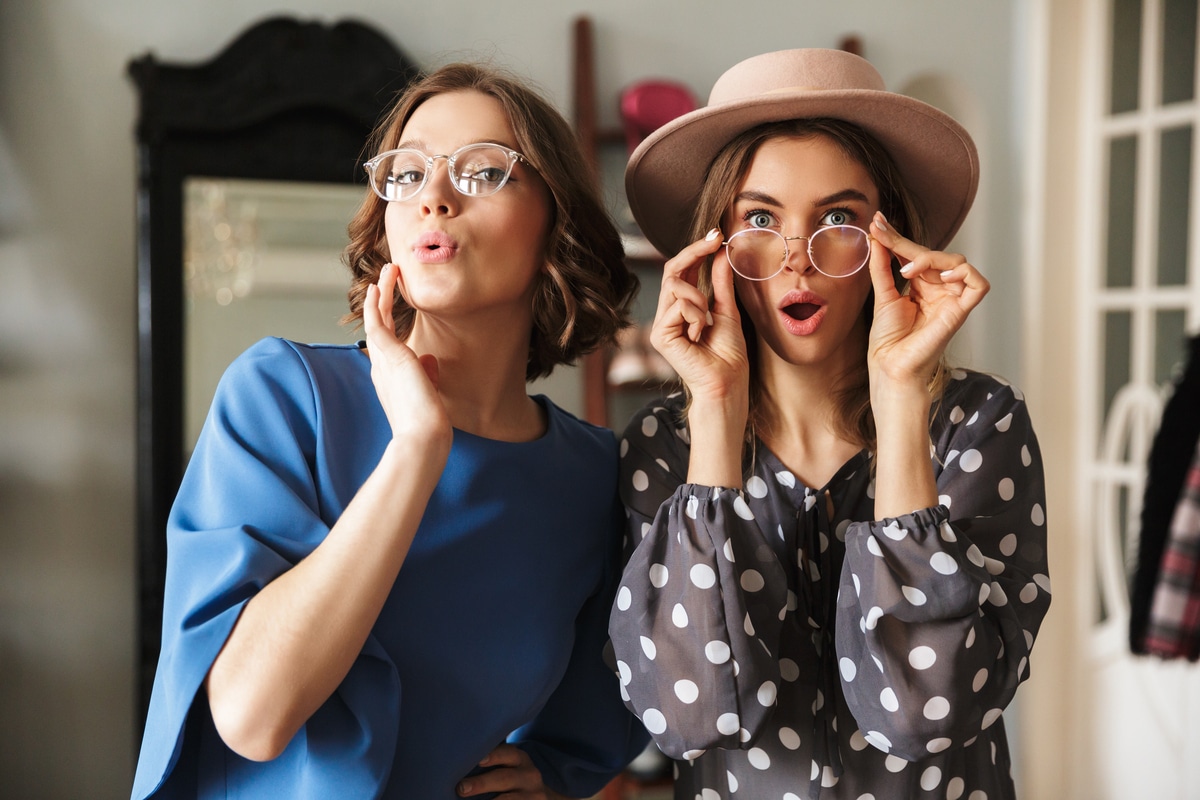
{"x": 494, "y": 628}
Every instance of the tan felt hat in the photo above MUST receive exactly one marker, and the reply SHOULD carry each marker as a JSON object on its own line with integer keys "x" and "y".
{"x": 935, "y": 154}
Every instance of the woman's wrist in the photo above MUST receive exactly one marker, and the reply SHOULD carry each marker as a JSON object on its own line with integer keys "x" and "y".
{"x": 900, "y": 402}
{"x": 717, "y": 432}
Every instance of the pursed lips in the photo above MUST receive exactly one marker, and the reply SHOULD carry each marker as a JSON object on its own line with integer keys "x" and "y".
{"x": 434, "y": 247}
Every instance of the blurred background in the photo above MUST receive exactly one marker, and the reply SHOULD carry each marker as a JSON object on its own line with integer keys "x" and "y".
{"x": 1086, "y": 223}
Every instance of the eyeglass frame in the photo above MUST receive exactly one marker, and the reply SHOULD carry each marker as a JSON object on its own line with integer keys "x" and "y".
{"x": 808, "y": 250}
{"x": 373, "y": 163}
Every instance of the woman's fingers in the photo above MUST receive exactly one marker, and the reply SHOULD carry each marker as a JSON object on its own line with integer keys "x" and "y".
{"x": 509, "y": 769}
{"x": 724, "y": 295}
{"x": 685, "y": 266}
{"x": 687, "y": 260}
{"x": 884, "y": 233}
{"x": 682, "y": 307}
{"x": 378, "y": 322}
{"x": 879, "y": 262}
{"x": 675, "y": 290}
{"x": 950, "y": 270}
{"x": 681, "y": 318}
{"x": 966, "y": 283}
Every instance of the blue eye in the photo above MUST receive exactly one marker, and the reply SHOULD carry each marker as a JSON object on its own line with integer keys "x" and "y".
{"x": 837, "y": 216}
{"x": 759, "y": 219}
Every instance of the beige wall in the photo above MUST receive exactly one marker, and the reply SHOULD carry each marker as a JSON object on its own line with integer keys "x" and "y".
{"x": 67, "y": 289}
{"x": 1051, "y": 702}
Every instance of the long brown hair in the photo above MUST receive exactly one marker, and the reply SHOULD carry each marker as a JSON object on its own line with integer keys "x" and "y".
{"x": 583, "y": 297}
{"x": 853, "y": 418}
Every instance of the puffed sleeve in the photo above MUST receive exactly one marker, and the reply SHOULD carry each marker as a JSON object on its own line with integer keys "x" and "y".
{"x": 246, "y": 511}
{"x": 938, "y": 610}
{"x": 584, "y": 735}
{"x": 698, "y": 614}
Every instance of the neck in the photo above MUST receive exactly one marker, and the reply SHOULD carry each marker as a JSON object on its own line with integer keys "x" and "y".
{"x": 796, "y": 416}
{"x": 481, "y": 375}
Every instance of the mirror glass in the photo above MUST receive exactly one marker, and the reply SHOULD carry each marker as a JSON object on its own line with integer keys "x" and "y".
{"x": 260, "y": 258}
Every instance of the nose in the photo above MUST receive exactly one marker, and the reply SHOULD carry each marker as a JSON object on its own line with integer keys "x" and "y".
{"x": 438, "y": 196}
{"x": 798, "y": 259}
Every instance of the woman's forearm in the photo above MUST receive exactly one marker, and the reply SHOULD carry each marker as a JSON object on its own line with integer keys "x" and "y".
{"x": 904, "y": 479}
{"x": 298, "y": 637}
{"x": 717, "y": 430}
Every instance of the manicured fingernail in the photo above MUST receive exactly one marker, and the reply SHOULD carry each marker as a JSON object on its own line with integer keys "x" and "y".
{"x": 714, "y": 233}
{"x": 879, "y": 221}
{"x": 907, "y": 268}
{"x": 708, "y": 320}
{"x": 947, "y": 273}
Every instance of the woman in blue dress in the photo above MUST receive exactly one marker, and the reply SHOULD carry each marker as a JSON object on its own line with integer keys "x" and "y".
{"x": 838, "y": 561}
{"x": 389, "y": 567}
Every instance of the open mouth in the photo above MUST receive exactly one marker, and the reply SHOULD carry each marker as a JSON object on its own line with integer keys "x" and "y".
{"x": 801, "y": 311}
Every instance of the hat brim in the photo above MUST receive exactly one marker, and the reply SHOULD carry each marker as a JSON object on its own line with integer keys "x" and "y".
{"x": 934, "y": 154}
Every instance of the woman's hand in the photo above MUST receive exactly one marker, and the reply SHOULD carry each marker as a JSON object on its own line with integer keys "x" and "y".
{"x": 909, "y": 334}
{"x": 708, "y": 351}
{"x": 705, "y": 347}
{"x": 405, "y": 382}
{"x": 911, "y": 331}
{"x": 511, "y": 775}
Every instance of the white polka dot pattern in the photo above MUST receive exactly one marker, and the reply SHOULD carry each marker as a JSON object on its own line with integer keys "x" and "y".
{"x": 755, "y": 632}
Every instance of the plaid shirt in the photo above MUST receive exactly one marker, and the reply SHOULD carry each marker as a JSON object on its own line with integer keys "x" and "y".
{"x": 1174, "y": 629}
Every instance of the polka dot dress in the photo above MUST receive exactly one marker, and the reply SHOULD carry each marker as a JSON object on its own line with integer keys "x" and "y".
{"x": 781, "y": 643}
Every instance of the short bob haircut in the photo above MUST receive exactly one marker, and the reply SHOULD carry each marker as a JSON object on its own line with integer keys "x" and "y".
{"x": 582, "y": 298}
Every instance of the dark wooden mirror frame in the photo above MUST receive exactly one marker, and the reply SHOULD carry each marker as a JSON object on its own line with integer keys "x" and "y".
{"x": 286, "y": 100}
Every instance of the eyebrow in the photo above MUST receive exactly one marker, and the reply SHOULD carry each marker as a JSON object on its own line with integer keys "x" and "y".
{"x": 419, "y": 144}
{"x": 841, "y": 197}
{"x": 837, "y": 197}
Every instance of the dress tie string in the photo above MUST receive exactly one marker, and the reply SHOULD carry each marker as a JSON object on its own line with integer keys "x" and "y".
{"x": 814, "y": 533}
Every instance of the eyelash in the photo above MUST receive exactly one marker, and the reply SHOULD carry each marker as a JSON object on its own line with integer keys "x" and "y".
{"x": 851, "y": 217}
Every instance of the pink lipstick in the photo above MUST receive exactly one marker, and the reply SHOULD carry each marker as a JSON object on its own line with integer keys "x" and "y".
{"x": 434, "y": 247}
{"x": 801, "y": 312}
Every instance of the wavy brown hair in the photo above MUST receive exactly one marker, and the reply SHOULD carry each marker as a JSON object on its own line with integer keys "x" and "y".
{"x": 854, "y": 420}
{"x": 582, "y": 298}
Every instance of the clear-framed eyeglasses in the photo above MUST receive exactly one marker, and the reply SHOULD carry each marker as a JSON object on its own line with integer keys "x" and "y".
{"x": 758, "y": 254}
{"x": 476, "y": 170}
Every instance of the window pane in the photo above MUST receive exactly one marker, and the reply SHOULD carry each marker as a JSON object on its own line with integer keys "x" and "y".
{"x": 1179, "y": 51}
{"x": 1126, "y": 54}
{"x": 1122, "y": 179}
{"x": 1170, "y": 339}
{"x": 1116, "y": 356}
{"x": 1175, "y": 177}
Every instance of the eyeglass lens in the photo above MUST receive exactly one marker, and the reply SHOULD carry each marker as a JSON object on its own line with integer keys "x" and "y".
{"x": 475, "y": 170}
{"x": 836, "y": 251}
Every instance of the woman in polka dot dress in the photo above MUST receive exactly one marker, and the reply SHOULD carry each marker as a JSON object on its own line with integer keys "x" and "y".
{"x": 837, "y": 560}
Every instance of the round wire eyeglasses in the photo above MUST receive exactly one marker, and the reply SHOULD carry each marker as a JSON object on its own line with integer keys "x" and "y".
{"x": 758, "y": 254}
